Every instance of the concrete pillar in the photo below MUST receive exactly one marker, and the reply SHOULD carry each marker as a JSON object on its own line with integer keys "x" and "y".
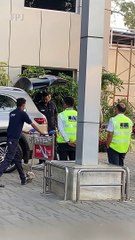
{"x": 91, "y": 59}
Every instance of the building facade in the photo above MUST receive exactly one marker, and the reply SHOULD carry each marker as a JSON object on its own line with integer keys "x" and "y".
{"x": 121, "y": 60}
{"x": 42, "y": 33}
{"x": 38, "y": 37}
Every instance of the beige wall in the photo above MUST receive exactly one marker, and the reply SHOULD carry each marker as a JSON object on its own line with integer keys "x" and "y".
{"x": 38, "y": 37}
{"x": 4, "y": 30}
{"x": 119, "y": 63}
{"x": 42, "y": 37}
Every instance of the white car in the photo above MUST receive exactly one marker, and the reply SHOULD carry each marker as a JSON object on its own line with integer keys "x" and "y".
{"x": 8, "y": 96}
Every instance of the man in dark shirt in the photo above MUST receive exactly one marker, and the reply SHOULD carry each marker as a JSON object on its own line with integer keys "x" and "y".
{"x": 48, "y": 108}
{"x": 17, "y": 118}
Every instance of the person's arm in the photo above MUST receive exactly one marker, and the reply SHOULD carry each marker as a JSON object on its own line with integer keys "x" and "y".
{"x": 109, "y": 138}
{"x": 61, "y": 130}
{"x": 36, "y": 127}
{"x": 29, "y": 121}
{"x": 55, "y": 116}
{"x": 109, "y": 133}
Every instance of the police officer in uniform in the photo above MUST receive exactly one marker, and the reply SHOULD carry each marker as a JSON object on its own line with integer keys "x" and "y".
{"x": 67, "y": 125}
{"x": 17, "y": 118}
{"x": 118, "y": 136}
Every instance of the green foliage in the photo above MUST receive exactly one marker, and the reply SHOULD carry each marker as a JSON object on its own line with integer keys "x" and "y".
{"x": 71, "y": 89}
{"x": 33, "y": 72}
{"x": 110, "y": 79}
{"x": 60, "y": 91}
{"x": 57, "y": 91}
{"x": 127, "y": 9}
{"x": 4, "y": 77}
{"x": 111, "y": 110}
{"x": 102, "y": 135}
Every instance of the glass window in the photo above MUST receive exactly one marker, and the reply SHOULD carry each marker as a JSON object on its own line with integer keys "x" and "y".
{"x": 60, "y": 5}
{"x": 7, "y": 104}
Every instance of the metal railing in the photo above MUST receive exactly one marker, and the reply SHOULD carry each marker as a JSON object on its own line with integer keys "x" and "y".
{"x": 127, "y": 184}
{"x": 125, "y": 181}
{"x": 47, "y": 178}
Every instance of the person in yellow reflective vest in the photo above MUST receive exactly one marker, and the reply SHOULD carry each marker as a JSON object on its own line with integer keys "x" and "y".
{"x": 67, "y": 125}
{"x": 118, "y": 136}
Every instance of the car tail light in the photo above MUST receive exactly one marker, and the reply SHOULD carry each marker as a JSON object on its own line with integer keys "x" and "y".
{"x": 40, "y": 120}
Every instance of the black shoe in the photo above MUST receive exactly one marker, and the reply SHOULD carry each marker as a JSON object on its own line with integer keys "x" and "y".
{"x": 2, "y": 185}
{"x": 24, "y": 182}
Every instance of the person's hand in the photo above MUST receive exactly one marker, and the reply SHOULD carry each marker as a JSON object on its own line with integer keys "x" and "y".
{"x": 72, "y": 144}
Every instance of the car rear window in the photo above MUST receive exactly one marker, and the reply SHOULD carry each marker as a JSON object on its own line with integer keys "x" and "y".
{"x": 7, "y": 104}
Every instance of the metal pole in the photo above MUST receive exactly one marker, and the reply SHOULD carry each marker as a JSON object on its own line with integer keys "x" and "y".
{"x": 123, "y": 186}
{"x": 127, "y": 183}
{"x": 122, "y": 171}
{"x": 66, "y": 183}
{"x": 129, "y": 75}
{"x": 116, "y": 67}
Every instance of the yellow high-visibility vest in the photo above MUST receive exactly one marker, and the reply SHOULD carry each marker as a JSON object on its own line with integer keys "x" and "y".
{"x": 122, "y": 126}
{"x": 69, "y": 120}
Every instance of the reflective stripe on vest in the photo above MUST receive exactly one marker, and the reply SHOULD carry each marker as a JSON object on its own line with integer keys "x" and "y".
{"x": 69, "y": 120}
{"x": 122, "y": 126}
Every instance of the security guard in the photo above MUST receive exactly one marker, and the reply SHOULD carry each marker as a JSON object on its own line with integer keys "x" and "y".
{"x": 67, "y": 125}
{"x": 118, "y": 136}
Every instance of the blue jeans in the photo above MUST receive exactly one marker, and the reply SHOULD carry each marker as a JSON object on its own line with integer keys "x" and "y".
{"x": 12, "y": 155}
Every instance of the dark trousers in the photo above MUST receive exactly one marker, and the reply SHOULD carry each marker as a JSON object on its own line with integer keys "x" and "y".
{"x": 12, "y": 155}
{"x": 66, "y": 152}
{"x": 115, "y": 157}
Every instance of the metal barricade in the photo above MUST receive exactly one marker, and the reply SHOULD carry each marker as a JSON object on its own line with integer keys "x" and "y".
{"x": 127, "y": 184}
{"x": 43, "y": 148}
{"x": 48, "y": 178}
{"x": 124, "y": 181}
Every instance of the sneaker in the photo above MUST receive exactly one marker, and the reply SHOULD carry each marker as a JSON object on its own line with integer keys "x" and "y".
{"x": 38, "y": 166}
{"x": 24, "y": 182}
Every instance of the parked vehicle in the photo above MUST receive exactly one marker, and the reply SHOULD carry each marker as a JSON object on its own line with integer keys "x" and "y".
{"x": 8, "y": 96}
{"x": 39, "y": 84}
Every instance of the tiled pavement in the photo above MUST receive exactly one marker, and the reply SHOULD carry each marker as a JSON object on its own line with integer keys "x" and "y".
{"x": 25, "y": 207}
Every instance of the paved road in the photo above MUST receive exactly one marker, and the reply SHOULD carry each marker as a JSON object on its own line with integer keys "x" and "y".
{"x": 24, "y": 207}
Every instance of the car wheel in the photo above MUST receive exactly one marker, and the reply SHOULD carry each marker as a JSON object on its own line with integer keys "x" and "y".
{"x": 3, "y": 148}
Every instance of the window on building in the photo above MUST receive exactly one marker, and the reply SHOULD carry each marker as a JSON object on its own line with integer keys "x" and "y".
{"x": 122, "y": 38}
{"x": 60, "y": 5}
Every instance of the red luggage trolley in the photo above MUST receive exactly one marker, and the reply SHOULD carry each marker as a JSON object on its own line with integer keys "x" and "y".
{"x": 43, "y": 148}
